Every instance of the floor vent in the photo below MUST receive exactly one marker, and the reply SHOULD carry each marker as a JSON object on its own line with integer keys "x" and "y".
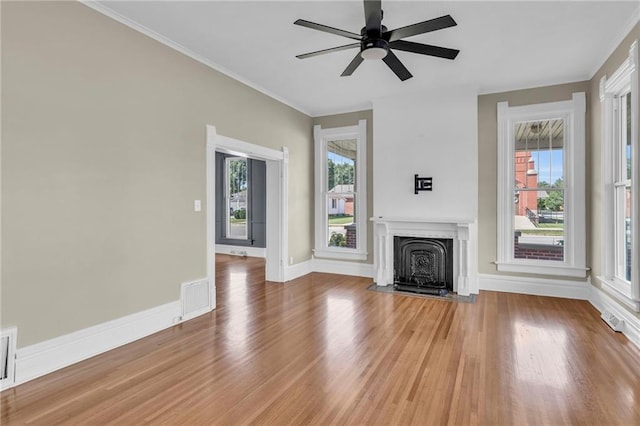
{"x": 195, "y": 298}
{"x": 8, "y": 357}
{"x": 612, "y": 321}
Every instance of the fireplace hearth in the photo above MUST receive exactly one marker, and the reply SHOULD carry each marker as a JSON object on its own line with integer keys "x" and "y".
{"x": 423, "y": 265}
{"x": 385, "y": 230}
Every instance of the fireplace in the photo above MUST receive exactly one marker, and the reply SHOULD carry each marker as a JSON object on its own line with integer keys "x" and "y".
{"x": 460, "y": 273}
{"x": 423, "y": 265}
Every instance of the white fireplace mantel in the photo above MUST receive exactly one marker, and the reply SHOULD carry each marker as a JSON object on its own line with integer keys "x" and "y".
{"x": 457, "y": 229}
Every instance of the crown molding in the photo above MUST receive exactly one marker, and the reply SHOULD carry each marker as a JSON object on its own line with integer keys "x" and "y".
{"x": 625, "y": 29}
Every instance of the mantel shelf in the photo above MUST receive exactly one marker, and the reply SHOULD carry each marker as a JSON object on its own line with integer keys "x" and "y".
{"x": 382, "y": 219}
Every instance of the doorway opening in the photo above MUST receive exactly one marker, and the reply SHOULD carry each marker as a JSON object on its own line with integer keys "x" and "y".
{"x": 276, "y": 201}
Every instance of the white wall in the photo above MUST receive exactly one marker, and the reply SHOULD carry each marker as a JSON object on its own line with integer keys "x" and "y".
{"x": 433, "y": 134}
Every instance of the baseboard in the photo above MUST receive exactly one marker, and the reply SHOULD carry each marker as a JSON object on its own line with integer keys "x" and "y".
{"x": 535, "y": 286}
{"x": 241, "y": 250}
{"x": 45, "y": 357}
{"x": 602, "y": 301}
{"x": 298, "y": 270}
{"x": 341, "y": 267}
{"x": 330, "y": 266}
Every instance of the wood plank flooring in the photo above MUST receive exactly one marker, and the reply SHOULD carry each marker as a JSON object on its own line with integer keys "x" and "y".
{"x": 323, "y": 350}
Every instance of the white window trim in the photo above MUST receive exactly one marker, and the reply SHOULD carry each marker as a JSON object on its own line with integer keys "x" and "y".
{"x": 322, "y": 137}
{"x": 623, "y": 80}
{"x": 573, "y": 112}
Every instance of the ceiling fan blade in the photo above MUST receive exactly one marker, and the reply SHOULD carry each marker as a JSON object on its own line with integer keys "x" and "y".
{"x": 396, "y": 66}
{"x": 424, "y": 49}
{"x": 373, "y": 16}
{"x": 420, "y": 28}
{"x": 355, "y": 63}
{"x": 322, "y": 52}
{"x": 327, "y": 29}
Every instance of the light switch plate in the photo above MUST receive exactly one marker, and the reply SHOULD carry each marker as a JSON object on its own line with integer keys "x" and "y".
{"x": 197, "y": 205}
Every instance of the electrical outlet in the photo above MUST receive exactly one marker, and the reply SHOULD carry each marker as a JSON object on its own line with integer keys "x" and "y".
{"x": 291, "y": 260}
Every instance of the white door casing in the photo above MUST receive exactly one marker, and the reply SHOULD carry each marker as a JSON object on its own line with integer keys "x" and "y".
{"x": 277, "y": 212}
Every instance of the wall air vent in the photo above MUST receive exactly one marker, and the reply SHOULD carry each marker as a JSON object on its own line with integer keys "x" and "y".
{"x": 7, "y": 357}
{"x": 612, "y": 321}
{"x": 195, "y": 298}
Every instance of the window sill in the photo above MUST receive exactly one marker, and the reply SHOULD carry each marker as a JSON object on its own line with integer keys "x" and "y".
{"x": 620, "y": 290}
{"x": 542, "y": 269}
{"x": 340, "y": 254}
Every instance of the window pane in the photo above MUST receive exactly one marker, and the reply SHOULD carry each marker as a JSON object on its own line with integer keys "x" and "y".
{"x": 627, "y": 234}
{"x": 341, "y": 165}
{"x": 236, "y": 190}
{"x": 340, "y": 220}
{"x": 538, "y": 193}
{"x": 539, "y": 154}
{"x": 627, "y": 130}
{"x": 539, "y": 224}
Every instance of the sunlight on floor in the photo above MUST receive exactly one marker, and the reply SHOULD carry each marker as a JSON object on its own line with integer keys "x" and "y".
{"x": 540, "y": 354}
{"x": 339, "y": 327}
{"x": 237, "y": 331}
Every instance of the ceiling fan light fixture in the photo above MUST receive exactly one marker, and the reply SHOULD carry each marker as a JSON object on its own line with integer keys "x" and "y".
{"x": 376, "y": 48}
{"x": 535, "y": 128}
{"x": 374, "y": 53}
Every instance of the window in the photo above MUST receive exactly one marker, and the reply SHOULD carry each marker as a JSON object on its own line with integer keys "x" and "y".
{"x": 538, "y": 192}
{"x": 240, "y": 200}
{"x": 619, "y": 101}
{"x": 340, "y": 201}
{"x": 622, "y": 186}
{"x": 541, "y": 220}
{"x": 236, "y": 196}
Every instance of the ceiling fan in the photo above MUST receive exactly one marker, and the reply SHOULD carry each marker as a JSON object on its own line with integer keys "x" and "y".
{"x": 376, "y": 42}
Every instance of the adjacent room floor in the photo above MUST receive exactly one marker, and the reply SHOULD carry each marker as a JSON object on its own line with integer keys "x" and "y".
{"x": 322, "y": 349}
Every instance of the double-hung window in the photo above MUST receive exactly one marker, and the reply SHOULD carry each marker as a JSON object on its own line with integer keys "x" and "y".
{"x": 619, "y": 103}
{"x": 541, "y": 200}
{"x": 236, "y": 197}
{"x": 340, "y": 192}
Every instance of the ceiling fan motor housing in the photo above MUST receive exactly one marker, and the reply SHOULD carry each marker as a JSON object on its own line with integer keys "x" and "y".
{"x": 375, "y": 43}
{"x": 373, "y": 46}
{"x": 376, "y": 48}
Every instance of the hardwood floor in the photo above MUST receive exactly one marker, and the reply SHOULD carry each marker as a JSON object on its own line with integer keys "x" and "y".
{"x": 322, "y": 349}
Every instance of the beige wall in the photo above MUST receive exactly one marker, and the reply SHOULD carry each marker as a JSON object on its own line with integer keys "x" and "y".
{"x": 594, "y": 157}
{"x": 103, "y": 154}
{"x": 351, "y": 119}
{"x": 488, "y": 158}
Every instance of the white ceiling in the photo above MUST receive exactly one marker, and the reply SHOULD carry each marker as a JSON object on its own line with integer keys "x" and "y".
{"x": 504, "y": 45}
